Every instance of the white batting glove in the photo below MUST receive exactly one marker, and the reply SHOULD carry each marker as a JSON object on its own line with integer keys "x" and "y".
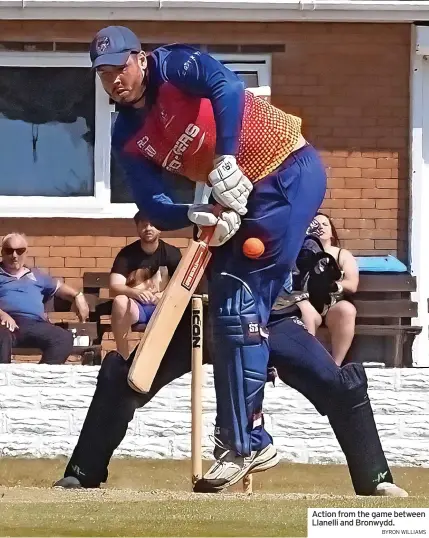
{"x": 226, "y": 224}
{"x": 231, "y": 187}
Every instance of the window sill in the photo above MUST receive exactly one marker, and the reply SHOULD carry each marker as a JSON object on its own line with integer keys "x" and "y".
{"x": 79, "y": 209}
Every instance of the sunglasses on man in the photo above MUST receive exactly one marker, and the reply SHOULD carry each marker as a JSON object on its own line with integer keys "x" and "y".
{"x": 9, "y": 251}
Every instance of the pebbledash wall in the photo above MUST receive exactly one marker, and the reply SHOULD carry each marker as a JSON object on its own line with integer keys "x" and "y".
{"x": 42, "y": 409}
{"x": 348, "y": 81}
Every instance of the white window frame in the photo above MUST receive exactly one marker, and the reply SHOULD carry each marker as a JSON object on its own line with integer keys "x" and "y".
{"x": 99, "y": 205}
{"x": 419, "y": 192}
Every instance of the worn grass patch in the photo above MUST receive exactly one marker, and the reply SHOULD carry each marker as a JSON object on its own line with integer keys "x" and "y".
{"x": 153, "y": 498}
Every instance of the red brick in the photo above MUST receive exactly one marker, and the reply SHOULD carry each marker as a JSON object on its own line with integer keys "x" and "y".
{"x": 377, "y": 173}
{"x": 336, "y": 183}
{"x": 345, "y": 193}
{"x": 391, "y": 183}
{"x": 338, "y": 223}
{"x": 65, "y": 272}
{"x": 360, "y": 183}
{"x": 65, "y": 251}
{"x": 345, "y": 172}
{"x": 361, "y": 162}
{"x": 80, "y": 262}
{"x": 348, "y": 234}
{"x": 359, "y": 223}
{"x": 47, "y": 241}
{"x": 104, "y": 241}
{"x": 385, "y": 243}
{"x": 378, "y": 213}
{"x": 345, "y": 213}
{"x": 390, "y": 224}
{"x": 386, "y": 203}
{"x": 38, "y": 251}
{"x": 353, "y": 244}
{"x": 387, "y": 162}
{"x": 332, "y": 203}
{"x": 49, "y": 262}
{"x": 104, "y": 262}
{"x": 375, "y": 234}
{"x": 75, "y": 283}
{"x": 180, "y": 242}
{"x": 335, "y": 162}
{"x": 379, "y": 193}
{"x": 95, "y": 252}
{"x": 361, "y": 203}
{"x": 80, "y": 241}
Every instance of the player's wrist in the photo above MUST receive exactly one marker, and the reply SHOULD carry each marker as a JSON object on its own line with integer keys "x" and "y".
{"x": 220, "y": 158}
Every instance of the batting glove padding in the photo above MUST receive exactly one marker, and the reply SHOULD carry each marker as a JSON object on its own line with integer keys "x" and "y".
{"x": 226, "y": 224}
{"x": 231, "y": 188}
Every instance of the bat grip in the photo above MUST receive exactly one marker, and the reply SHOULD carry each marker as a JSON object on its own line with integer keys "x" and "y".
{"x": 208, "y": 231}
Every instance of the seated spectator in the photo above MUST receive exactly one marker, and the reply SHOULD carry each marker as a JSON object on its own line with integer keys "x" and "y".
{"x": 338, "y": 313}
{"x": 23, "y": 293}
{"x": 139, "y": 275}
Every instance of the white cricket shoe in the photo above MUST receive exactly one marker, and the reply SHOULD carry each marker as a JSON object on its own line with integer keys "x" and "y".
{"x": 385, "y": 489}
{"x": 229, "y": 468}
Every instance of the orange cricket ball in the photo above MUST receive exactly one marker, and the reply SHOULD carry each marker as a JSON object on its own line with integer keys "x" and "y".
{"x": 253, "y": 247}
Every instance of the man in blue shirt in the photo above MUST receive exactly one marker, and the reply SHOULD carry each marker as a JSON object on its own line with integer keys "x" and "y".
{"x": 23, "y": 294}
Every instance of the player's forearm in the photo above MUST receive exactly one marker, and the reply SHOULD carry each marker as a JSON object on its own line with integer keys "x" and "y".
{"x": 121, "y": 289}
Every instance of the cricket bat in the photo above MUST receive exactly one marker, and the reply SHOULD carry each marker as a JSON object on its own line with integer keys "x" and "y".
{"x": 169, "y": 312}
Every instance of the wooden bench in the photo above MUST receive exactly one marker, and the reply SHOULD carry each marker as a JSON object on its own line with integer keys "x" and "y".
{"x": 59, "y": 313}
{"x": 383, "y": 303}
{"x": 384, "y": 308}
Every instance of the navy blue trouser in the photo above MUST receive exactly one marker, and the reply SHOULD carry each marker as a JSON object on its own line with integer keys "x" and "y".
{"x": 242, "y": 291}
{"x": 301, "y": 361}
{"x": 55, "y": 342}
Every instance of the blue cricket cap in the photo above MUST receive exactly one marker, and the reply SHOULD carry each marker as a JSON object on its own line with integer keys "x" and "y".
{"x": 113, "y": 46}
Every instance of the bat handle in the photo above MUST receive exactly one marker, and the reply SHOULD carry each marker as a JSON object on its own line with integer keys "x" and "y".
{"x": 208, "y": 231}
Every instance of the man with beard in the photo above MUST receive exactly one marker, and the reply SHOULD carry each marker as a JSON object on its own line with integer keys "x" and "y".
{"x": 138, "y": 278}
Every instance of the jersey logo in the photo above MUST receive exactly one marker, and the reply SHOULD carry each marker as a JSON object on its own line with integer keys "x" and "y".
{"x": 173, "y": 159}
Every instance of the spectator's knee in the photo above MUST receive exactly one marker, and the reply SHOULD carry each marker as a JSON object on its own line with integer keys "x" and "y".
{"x": 346, "y": 310}
{"x": 120, "y": 305}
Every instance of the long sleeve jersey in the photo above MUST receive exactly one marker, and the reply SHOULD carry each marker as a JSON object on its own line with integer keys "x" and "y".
{"x": 195, "y": 108}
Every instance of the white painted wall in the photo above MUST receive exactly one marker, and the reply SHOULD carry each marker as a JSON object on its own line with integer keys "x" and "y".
{"x": 42, "y": 409}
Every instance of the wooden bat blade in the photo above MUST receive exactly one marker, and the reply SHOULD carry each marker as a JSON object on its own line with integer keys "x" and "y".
{"x": 167, "y": 315}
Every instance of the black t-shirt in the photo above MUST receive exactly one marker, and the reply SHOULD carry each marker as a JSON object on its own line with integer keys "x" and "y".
{"x": 133, "y": 257}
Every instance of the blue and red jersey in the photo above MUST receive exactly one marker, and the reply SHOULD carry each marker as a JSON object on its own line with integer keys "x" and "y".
{"x": 195, "y": 109}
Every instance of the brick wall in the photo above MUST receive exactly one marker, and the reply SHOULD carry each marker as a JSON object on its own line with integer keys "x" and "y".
{"x": 349, "y": 82}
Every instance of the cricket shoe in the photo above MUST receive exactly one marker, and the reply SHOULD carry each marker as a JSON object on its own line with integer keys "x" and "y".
{"x": 386, "y": 489}
{"x": 68, "y": 482}
{"x": 229, "y": 468}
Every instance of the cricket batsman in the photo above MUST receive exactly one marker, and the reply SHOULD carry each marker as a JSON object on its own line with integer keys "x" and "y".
{"x": 184, "y": 116}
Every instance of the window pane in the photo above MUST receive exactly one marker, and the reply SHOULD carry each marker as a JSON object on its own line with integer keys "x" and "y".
{"x": 250, "y": 79}
{"x": 47, "y": 124}
{"x": 120, "y": 193}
